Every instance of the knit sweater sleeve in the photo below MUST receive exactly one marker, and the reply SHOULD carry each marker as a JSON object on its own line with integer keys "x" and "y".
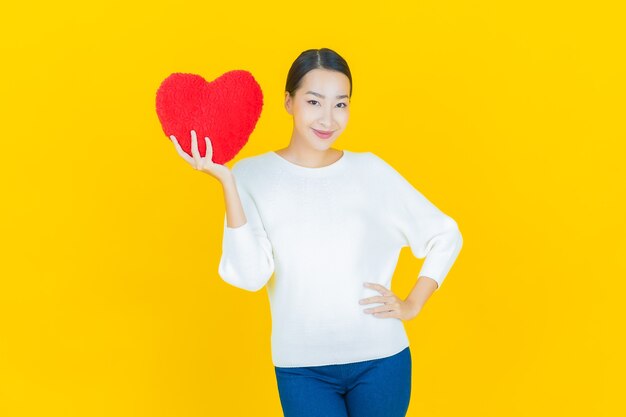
{"x": 247, "y": 260}
{"x": 429, "y": 232}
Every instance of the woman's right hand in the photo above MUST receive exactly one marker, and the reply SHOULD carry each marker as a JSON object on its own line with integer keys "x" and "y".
{"x": 204, "y": 164}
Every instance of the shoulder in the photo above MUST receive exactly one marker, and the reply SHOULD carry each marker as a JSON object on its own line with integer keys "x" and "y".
{"x": 379, "y": 164}
{"x": 250, "y": 165}
{"x": 367, "y": 159}
{"x": 372, "y": 157}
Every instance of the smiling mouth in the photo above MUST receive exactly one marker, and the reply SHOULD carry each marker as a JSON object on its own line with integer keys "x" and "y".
{"x": 323, "y": 132}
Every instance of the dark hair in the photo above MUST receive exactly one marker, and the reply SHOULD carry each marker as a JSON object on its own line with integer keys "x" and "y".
{"x": 315, "y": 58}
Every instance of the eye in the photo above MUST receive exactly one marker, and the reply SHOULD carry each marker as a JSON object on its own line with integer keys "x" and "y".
{"x": 344, "y": 105}
{"x": 315, "y": 101}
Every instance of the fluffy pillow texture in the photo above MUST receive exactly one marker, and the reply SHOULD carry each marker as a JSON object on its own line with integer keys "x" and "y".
{"x": 225, "y": 109}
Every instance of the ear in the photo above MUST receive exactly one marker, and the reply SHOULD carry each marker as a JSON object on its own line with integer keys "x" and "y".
{"x": 288, "y": 102}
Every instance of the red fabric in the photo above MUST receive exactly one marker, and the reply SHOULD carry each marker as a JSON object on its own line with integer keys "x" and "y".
{"x": 225, "y": 109}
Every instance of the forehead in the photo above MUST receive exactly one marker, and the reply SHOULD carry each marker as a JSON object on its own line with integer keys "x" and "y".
{"x": 325, "y": 81}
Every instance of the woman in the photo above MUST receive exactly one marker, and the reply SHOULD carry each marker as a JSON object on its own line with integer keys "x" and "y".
{"x": 329, "y": 226}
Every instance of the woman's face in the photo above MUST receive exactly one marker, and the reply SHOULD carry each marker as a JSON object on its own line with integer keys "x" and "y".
{"x": 320, "y": 104}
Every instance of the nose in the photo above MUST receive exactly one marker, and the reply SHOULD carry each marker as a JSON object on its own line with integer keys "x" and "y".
{"x": 327, "y": 118}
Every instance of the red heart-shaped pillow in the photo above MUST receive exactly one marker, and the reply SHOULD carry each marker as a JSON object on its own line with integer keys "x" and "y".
{"x": 225, "y": 109}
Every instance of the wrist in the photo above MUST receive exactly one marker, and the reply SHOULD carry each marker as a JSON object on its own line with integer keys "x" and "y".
{"x": 227, "y": 180}
{"x": 414, "y": 307}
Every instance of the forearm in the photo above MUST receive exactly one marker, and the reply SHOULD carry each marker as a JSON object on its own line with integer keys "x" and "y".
{"x": 421, "y": 292}
{"x": 235, "y": 215}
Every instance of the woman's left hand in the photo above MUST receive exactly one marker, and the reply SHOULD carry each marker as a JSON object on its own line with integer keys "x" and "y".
{"x": 393, "y": 306}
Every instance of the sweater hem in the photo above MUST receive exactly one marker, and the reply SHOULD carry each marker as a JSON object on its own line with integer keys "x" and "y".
{"x": 346, "y": 362}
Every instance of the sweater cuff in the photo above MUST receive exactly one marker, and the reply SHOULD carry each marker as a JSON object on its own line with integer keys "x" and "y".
{"x": 437, "y": 278}
{"x": 246, "y": 225}
{"x": 438, "y": 264}
{"x": 239, "y": 238}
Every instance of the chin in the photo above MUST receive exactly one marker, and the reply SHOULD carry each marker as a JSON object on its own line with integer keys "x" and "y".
{"x": 322, "y": 146}
{"x": 324, "y": 143}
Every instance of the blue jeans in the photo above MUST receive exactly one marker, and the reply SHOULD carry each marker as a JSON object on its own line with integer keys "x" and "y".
{"x": 372, "y": 388}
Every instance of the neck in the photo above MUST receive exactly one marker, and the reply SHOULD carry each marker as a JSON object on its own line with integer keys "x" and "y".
{"x": 309, "y": 157}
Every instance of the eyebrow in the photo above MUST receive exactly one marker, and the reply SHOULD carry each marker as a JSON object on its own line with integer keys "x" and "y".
{"x": 321, "y": 96}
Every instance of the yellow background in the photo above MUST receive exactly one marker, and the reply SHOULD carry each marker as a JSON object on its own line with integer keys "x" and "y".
{"x": 509, "y": 116}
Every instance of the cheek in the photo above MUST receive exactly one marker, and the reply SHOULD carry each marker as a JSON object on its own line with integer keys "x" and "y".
{"x": 302, "y": 121}
{"x": 342, "y": 118}
{"x": 305, "y": 118}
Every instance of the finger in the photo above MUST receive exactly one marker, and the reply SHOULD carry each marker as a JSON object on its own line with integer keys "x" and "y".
{"x": 383, "y": 290}
{"x": 180, "y": 150}
{"x": 375, "y": 299}
{"x": 379, "y": 309}
{"x": 209, "y": 149}
{"x": 194, "y": 149}
{"x": 203, "y": 164}
{"x": 386, "y": 315}
{"x": 378, "y": 288}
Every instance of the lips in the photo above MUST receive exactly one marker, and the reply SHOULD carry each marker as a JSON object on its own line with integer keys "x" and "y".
{"x": 322, "y": 134}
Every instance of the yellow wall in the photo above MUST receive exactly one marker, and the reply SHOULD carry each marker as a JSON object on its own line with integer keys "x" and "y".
{"x": 508, "y": 116}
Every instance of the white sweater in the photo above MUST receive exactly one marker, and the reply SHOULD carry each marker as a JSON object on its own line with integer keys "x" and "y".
{"x": 319, "y": 234}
